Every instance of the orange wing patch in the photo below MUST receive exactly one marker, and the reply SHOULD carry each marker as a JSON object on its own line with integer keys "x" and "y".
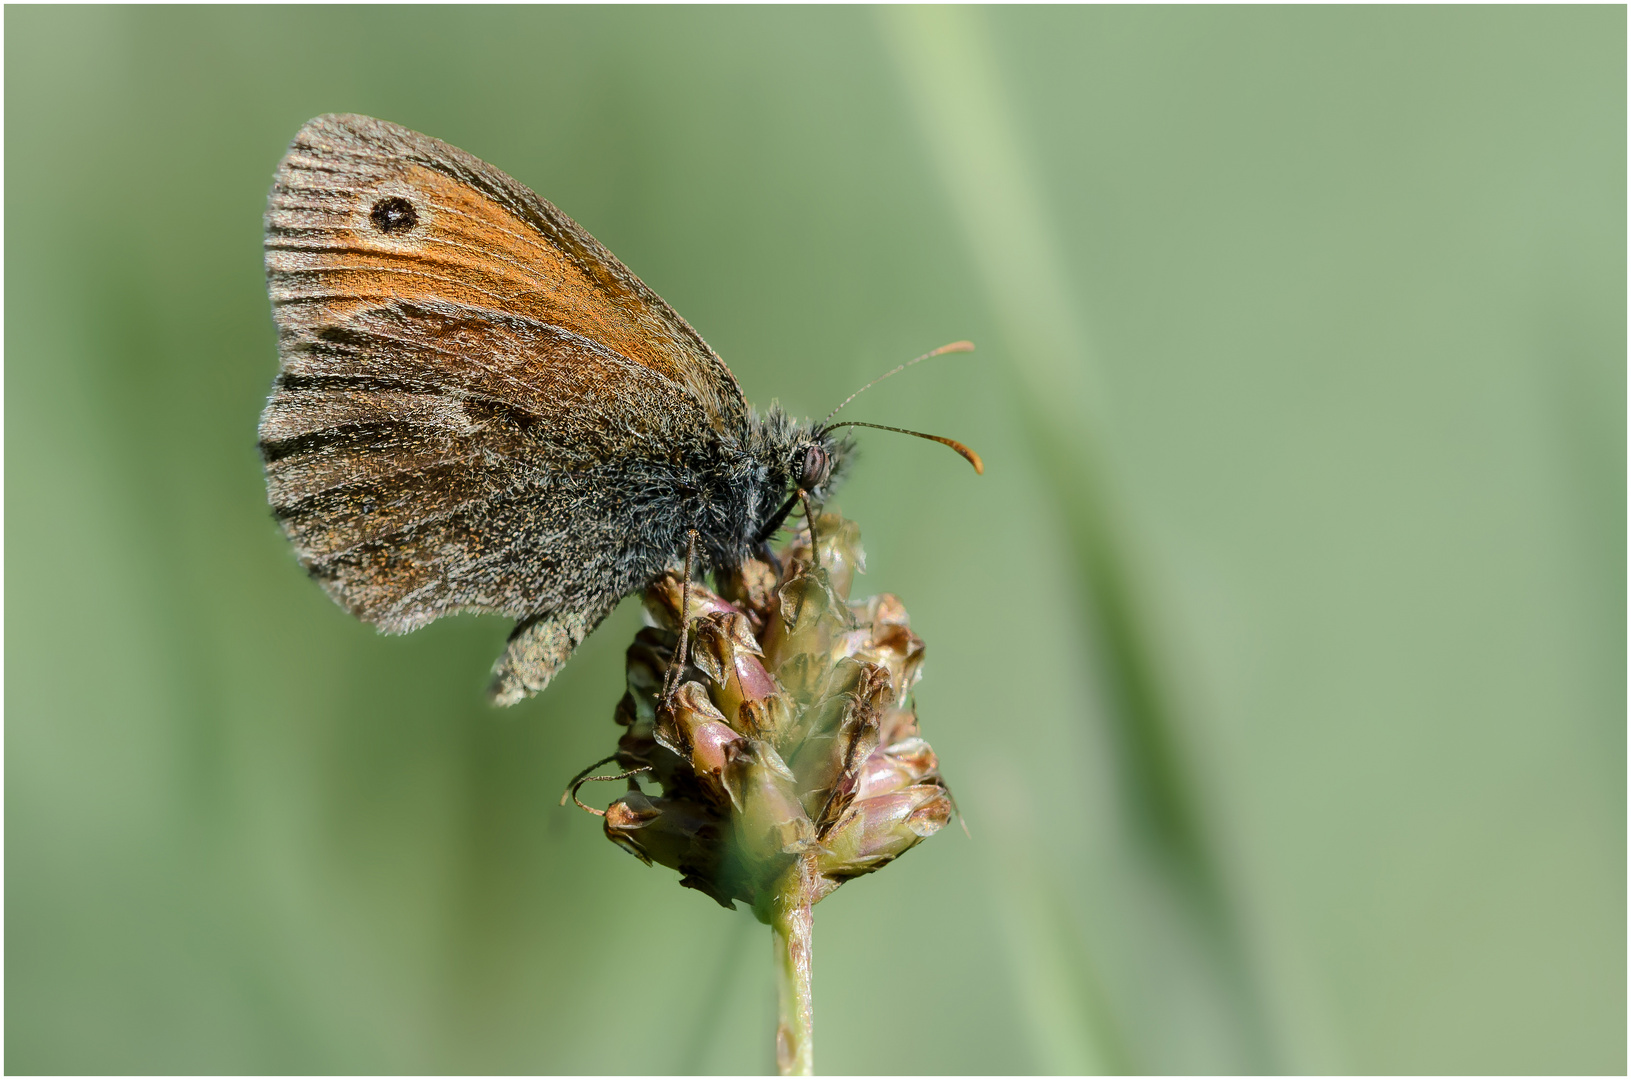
{"x": 477, "y": 238}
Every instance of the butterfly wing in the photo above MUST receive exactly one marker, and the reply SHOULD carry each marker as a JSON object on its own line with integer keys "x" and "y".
{"x": 463, "y": 371}
{"x": 365, "y": 212}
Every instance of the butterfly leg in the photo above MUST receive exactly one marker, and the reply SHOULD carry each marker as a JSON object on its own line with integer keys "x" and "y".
{"x": 676, "y": 667}
{"x": 776, "y": 519}
{"x": 809, "y": 517}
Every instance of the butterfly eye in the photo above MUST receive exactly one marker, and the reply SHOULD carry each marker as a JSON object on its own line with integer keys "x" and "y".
{"x": 393, "y": 215}
{"x": 813, "y": 473}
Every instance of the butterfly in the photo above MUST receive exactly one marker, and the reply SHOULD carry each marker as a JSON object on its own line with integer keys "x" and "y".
{"x": 478, "y": 408}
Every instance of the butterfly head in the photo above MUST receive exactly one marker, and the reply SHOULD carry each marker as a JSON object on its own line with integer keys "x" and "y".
{"x": 818, "y": 461}
{"x": 815, "y": 467}
{"x": 795, "y": 458}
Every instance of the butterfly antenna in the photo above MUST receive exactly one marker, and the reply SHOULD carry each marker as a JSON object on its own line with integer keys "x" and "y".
{"x": 968, "y": 455}
{"x": 956, "y": 346}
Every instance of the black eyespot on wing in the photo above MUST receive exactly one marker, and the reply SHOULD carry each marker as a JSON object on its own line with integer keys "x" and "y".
{"x": 393, "y": 215}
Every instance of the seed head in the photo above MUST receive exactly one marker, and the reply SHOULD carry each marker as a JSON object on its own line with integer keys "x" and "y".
{"x": 791, "y": 733}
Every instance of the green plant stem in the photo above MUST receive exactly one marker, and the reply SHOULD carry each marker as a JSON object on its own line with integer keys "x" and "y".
{"x": 791, "y": 928}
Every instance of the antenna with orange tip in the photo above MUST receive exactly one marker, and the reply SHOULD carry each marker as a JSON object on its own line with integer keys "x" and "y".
{"x": 968, "y": 455}
{"x": 956, "y": 346}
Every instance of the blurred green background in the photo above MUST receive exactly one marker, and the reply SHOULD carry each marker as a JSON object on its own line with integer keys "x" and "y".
{"x": 1277, "y": 661}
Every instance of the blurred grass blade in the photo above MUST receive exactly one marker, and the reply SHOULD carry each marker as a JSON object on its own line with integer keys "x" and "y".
{"x": 956, "y": 93}
{"x": 729, "y": 966}
{"x": 1070, "y": 1022}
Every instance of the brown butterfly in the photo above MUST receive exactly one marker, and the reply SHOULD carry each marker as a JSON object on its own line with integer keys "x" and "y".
{"x": 480, "y": 409}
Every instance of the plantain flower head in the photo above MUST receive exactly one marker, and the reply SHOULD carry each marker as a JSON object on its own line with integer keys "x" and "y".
{"x": 790, "y": 739}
